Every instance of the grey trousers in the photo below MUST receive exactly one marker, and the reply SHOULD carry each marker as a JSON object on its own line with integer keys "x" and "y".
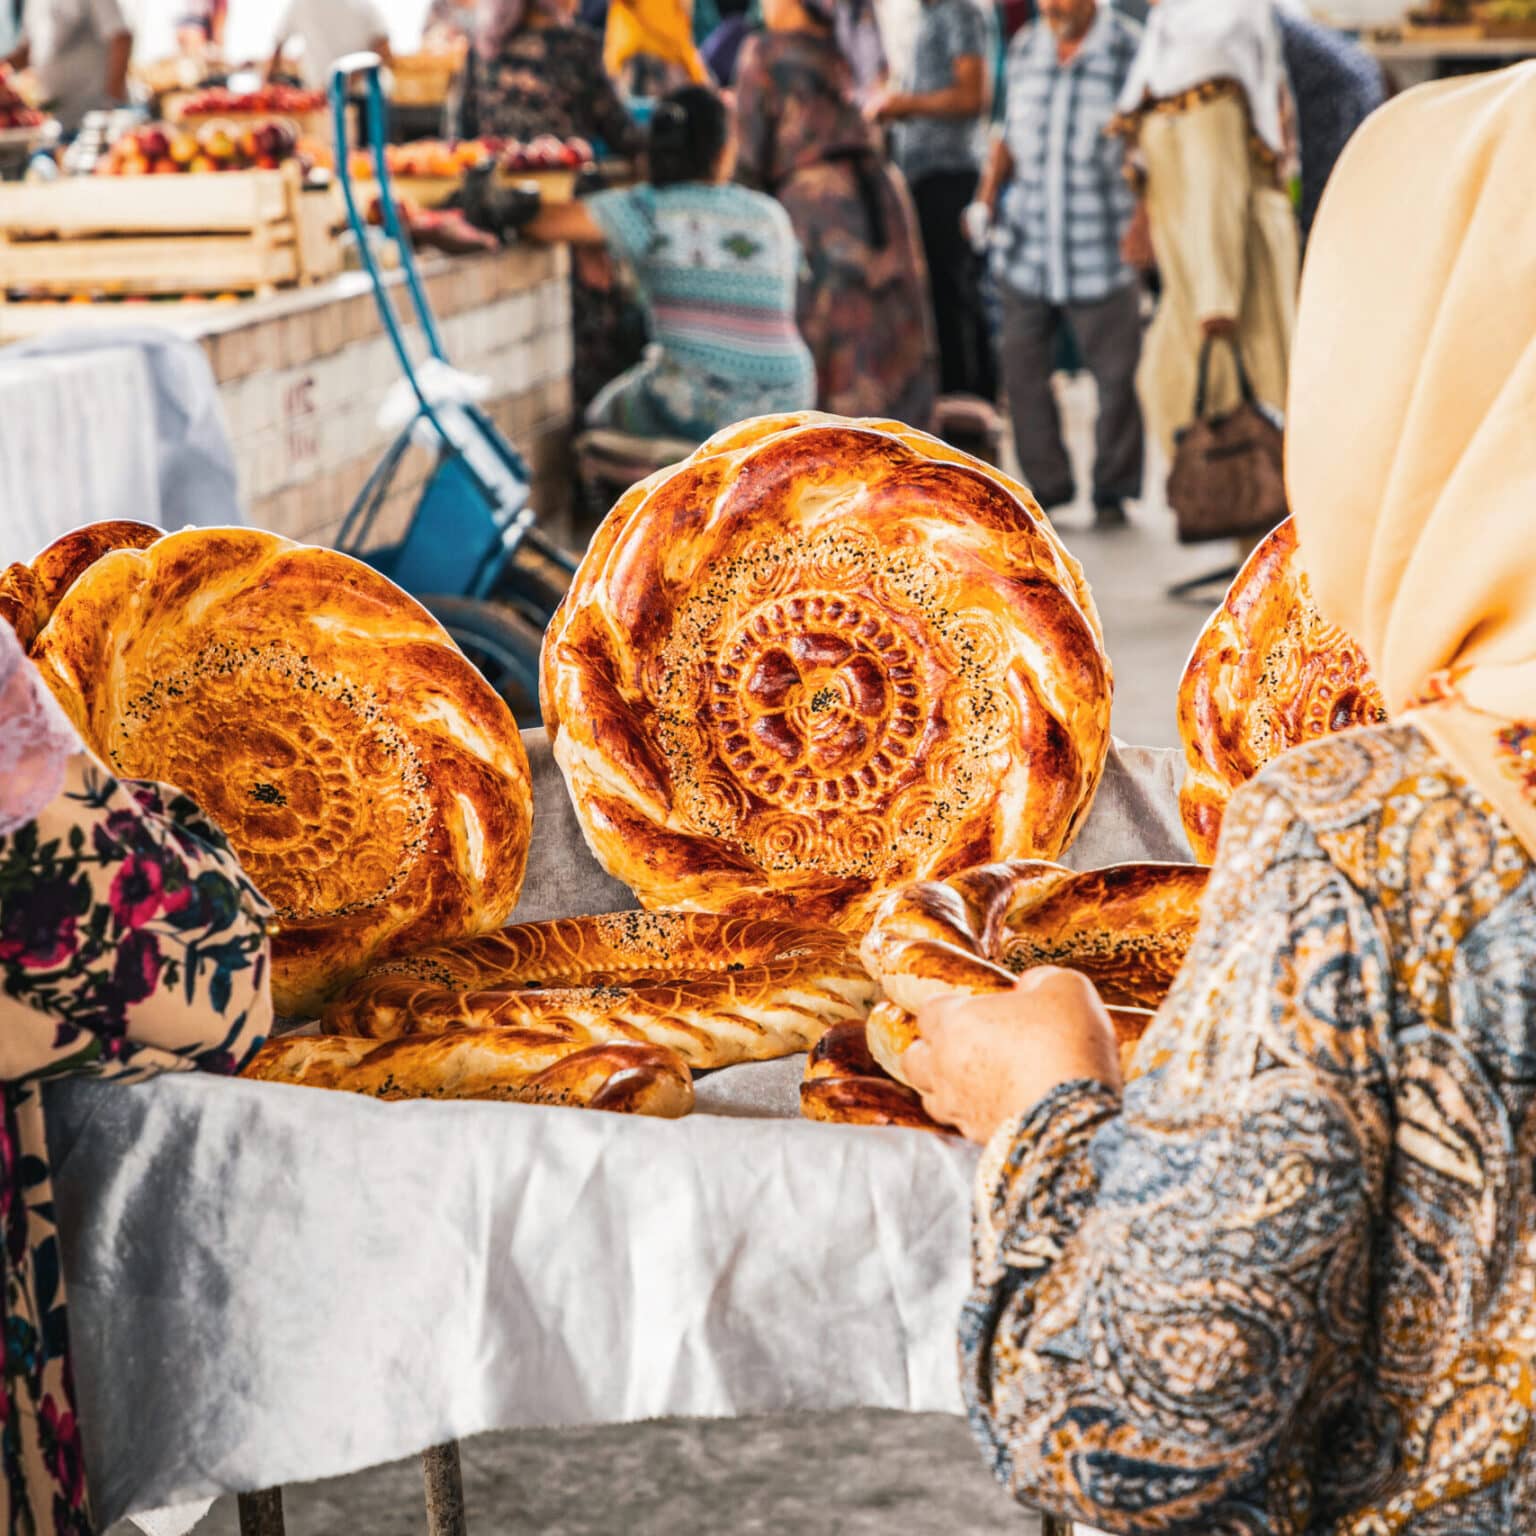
{"x": 1109, "y": 337}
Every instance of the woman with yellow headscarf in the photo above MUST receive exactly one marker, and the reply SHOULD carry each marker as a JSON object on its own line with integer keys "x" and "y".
{"x": 1284, "y": 1279}
{"x": 649, "y": 48}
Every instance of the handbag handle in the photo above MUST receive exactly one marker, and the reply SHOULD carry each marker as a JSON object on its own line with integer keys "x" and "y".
{"x": 1205, "y": 368}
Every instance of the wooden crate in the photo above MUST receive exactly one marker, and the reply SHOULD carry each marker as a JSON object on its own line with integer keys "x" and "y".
{"x": 235, "y": 231}
{"x": 424, "y": 79}
{"x": 433, "y": 191}
{"x": 307, "y": 125}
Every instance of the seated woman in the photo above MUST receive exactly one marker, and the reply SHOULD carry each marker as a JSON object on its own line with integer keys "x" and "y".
{"x": 716, "y": 265}
{"x": 1284, "y": 1280}
{"x": 863, "y": 304}
{"x": 130, "y": 943}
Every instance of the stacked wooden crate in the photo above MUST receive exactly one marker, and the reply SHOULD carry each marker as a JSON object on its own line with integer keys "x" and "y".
{"x": 103, "y": 236}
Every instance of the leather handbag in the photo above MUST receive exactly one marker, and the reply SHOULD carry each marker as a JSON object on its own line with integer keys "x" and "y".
{"x": 1228, "y": 475}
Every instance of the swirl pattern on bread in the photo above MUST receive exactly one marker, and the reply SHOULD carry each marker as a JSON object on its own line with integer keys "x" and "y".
{"x": 371, "y": 782}
{"x": 817, "y": 659}
{"x": 1267, "y": 673}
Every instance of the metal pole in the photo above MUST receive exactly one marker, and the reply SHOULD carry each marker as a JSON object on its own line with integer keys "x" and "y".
{"x": 1053, "y": 1525}
{"x": 261, "y": 1514}
{"x": 445, "y": 1490}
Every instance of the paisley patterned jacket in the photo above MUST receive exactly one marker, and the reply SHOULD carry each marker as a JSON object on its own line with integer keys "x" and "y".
{"x": 1288, "y": 1285}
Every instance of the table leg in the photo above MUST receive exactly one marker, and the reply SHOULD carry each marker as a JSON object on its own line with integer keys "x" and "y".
{"x": 261, "y": 1514}
{"x": 1051, "y": 1525}
{"x": 445, "y": 1490}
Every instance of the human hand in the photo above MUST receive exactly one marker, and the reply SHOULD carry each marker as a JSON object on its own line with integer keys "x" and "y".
{"x": 981, "y": 1061}
{"x": 1136, "y": 242}
{"x": 976, "y": 224}
{"x": 883, "y": 106}
{"x": 1219, "y": 325}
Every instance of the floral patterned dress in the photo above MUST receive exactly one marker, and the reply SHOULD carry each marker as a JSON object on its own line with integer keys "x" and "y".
{"x": 1287, "y": 1285}
{"x": 863, "y": 304}
{"x": 130, "y": 944}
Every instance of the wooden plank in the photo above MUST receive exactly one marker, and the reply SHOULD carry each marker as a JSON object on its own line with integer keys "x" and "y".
{"x": 196, "y": 264}
{"x": 261, "y": 1514}
{"x": 86, "y": 205}
{"x": 445, "y": 1490}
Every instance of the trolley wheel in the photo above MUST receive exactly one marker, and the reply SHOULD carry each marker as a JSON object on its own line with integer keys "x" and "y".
{"x": 500, "y": 642}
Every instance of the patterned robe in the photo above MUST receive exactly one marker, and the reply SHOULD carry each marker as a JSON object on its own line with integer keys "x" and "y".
{"x": 130, "y": 944}
{"x": 863, "y": 304}
{"x": 1288, "y": 1285}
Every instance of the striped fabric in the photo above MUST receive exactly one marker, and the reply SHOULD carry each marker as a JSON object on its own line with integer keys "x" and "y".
{"x": 1062, "y": 217}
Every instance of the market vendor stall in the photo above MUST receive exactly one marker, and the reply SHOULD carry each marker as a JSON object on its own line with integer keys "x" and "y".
{"x": 543, "y": 1266}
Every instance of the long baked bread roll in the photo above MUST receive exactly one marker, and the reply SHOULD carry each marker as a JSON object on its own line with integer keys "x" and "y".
{"x": 716, "y": 990}
{"x": 845, "y": 1085}
{"x": 372, "y": 783}
{"x": 818, "y": 659}
{"x": 1267, "y": 673}
{"x": 1127, "y": 928}
{"x": 485, "y": 1064}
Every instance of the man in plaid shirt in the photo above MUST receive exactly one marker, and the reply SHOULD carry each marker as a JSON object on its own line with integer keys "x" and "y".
{"x": 1061, "y": 210}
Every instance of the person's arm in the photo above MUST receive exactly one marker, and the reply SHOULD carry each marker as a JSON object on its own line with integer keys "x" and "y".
{"x": 995, "y": 174}
{"x": 1159, "y": 1279}
{"x": 564, "y": 224}
{"x": 964, "y": 96}
{"x": 380, "y": 45}
{"x": 111, "y": 25}
{"x": 20, "y": 56}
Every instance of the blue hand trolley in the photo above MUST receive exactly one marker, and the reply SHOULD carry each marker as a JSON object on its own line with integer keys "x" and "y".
{"x": 473, "y": 553}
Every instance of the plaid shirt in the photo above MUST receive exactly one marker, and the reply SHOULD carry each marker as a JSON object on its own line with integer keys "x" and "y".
{"x": 1061, "y": 217}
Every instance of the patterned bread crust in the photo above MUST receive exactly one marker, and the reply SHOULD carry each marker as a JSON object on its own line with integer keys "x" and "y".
{"x": 372, "y": 783}
{"x": 818, "y": 659}
{"x": 1266, "y": 674}
{"x": 716, "y": 990}
{"x": 30, "y": 593}
{"x": 1127, "y": 928}
{"x": 631, "y": 1078}
{"x": 844, "y": 1084}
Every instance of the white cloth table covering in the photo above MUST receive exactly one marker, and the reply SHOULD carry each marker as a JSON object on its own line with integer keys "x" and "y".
{"x": 77, "y": 445}
{"x": 271, "y": 1284}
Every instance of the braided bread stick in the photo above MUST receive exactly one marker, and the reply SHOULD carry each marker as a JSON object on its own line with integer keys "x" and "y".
{"x": 845, "y": 1084}
{"x": 717, "y": 990}
{"x": 509, "y": 1064}
{"x": 1127, "y": 928}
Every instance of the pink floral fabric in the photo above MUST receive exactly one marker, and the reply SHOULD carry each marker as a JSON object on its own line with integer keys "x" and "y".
{"x": 130, "y": 944}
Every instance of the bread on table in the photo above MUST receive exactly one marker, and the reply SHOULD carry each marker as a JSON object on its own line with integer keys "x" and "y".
{"x": 373, "y": 785}
{"x": 845, "y": 1085}
{"x": 1127, "y": 928}
{"x": 717, "y": 990}
{"x": 30, "y": 593}
{"x": 1267, "y": 673}
{"x": 630, "y": 1077}
{"x": 818, "y": 659}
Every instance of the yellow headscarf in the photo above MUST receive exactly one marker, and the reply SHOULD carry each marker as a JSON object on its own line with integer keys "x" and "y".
{"x": 663, "y": 29}
{"x": 1411, "y": 457}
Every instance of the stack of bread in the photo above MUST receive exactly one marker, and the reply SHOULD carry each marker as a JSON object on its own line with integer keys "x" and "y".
{"x": 807, "y": 688}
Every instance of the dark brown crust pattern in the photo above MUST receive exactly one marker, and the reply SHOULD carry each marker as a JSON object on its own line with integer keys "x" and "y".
{"x": 1267, "y": 673}
{"x": 818, "y": 659}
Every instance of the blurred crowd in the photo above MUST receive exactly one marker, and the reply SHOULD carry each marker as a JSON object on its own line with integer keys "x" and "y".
{"x": 1033, "y": 185}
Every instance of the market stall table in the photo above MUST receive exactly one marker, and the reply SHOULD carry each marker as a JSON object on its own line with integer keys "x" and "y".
{"x": 271, "y": 1284}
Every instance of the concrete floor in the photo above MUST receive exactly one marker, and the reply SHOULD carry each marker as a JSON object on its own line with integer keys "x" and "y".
{"x": 815, "y": 1475}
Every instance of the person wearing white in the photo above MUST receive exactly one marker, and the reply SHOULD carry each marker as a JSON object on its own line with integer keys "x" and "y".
{"x": 322, "y": 31}
{"x": 1202, "y": 109}
{"x": 79, "y": 51}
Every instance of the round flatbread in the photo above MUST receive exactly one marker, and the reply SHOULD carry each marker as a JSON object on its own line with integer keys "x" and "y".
{"x": 1267, "y": 673}
{"x": 818, "y": 659}
{"x": 373, "y": 785}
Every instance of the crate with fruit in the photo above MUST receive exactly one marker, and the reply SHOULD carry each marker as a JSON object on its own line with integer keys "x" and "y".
{"x": 224, "y": 209}
{"x": 306, "y": 113}
{"x": 430, "y": 170}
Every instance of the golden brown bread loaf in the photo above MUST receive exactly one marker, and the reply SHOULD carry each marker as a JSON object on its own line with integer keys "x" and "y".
{"x": 485, "y": 1064}
{"x": 817, "y": 659}
{"x": 717, "y": 990}
{"x": 30, "y": 593}
{"x": 845, "y": 1085}
{"x": 1127, "y": 928}
{"x": 373, "y": 785}
{"x": 1266, "y": 674}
